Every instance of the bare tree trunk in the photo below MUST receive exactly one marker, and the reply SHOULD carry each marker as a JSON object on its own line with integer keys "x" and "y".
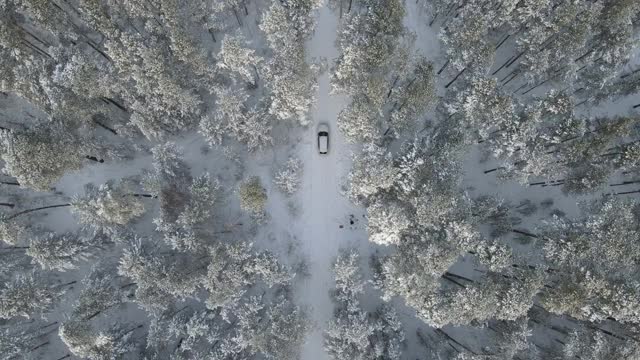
{"x": 105, "y": 127}
{"x": 143, "y": 195}
{"x": 525, "y": 233}
{"x": 255, "y": 70}
{"x": 67, "y": 284}
{"x": 629, "y": 74}
{"x": 8, "y": 205}
{"x": 515, "y": 59}
{"x": 36, "y": 209}
{"x": 392, "y": 85}
{"x": 441, "y": 332}
{"x": 433, "y": 20}
{"x": 583, "y": 56}
{"x": 458, "y": 276}
{"x": 627, "y": 192}
{"x": 115, "y": 103}
{"x": 518, "y": 89}
{"x": 90, "y": 43}
{"x": 492, "y": 170}
{"x": 39, "y": 346}
{"x": 502, "y": 67}
{"x": 93, "y": 158}
{"x": 455, "y": 78}
{"x": 626, "y": 183}
{"x": 503, "y": 41}
{"x": 15, "y": 248}
{"x": 509, "y": 74}
{"x": 512, "y": 78}
{"x": 235, "y": 12}
{"x": 36, "y": 49}
{"x": 582, "y": 102}
{"x": 453, "y": 281}
{"x": 443, "y": 67}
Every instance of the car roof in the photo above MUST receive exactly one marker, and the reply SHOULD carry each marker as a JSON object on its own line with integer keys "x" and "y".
{"x": 323, "y": 143}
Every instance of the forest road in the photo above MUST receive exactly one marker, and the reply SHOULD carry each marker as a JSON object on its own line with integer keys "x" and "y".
{"x": 323, "y": 207}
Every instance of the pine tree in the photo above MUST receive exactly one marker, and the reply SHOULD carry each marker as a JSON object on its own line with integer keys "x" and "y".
{"x": 360, "y": 122}
{"x": 24, "y": 339}
{"x": 85, "y": 342}
{"x": 353, "y": 333}
{"x": 289, "y": 79}
{"x": 466, "y": 40}
{"x": 416, "y": 96}
{"x": 109, "y": 206}
{"x": 387, "y": 221}
{"x": 288, "y": 178}
{"x": 59, "y": 251}
{"x": 372, "y": 171}
{"x": 27, "y": 295}
{"x": 237, "y": 58}
{"x": 594, "y": 261}
{"x": 169, "y": 169}
{"x": 188, "y": 232}
{"x": 235, "y": 268}
{"x": 253, "y": 197}
{"x": 368, "y": 45}
{"x": 100, "y": 292}
{"x": 592, "y": 345}
{"x": 160, "y": 276}
{"x": 40, "y": 156}
{"x": 498, "y": 297}
{"x": 282, "y": 332}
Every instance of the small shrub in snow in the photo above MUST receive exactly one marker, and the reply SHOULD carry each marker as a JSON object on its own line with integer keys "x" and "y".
{"x": 253, "y": 197}
{"x": 288, "y": 178}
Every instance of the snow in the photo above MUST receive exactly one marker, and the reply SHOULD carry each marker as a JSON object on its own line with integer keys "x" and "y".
{"x": 417, "y": 20}
{"x": 326, "y": 221}
{"x": 321, "y": 193}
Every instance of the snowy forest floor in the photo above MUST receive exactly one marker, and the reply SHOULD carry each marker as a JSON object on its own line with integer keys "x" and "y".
{"x": 314, "y": 224}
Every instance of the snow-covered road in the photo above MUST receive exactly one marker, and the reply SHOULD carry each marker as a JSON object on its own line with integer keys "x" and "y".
{"x": 324, "y": 208}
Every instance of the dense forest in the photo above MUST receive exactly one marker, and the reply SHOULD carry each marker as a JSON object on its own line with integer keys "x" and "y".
{"x": 162, "y": 197}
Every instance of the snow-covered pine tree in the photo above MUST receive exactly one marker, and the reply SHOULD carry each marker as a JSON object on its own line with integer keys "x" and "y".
{"x": 28, "y": 295}
{"x": 288, "y": 178}
{"x": 353, "y": 333}
{"x": 593, "y": 258}
{"x": 83, "y": 341}
{"x": 60, "y": 252}
{"x": 108, "y": 207}
{"x": 40, "y": 156}
{"x": 100, "y": 292}
{"x": 237, "y": 58}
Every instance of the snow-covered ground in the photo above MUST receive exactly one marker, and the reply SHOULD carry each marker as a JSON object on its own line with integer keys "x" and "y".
{"x": 324, "y": 227}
